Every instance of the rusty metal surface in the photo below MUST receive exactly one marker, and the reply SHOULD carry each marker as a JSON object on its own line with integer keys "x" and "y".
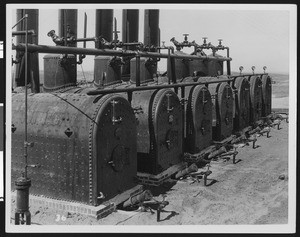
{"x": 81, "y": 151}
{"x": 59, "y": 72}
{"x": 159, "y": 129}
{"x": 147, "y": 70}
{"x": 215, "y": 67}
{"x": 255, "y": 98}
{"x": 242, "y": 103}
{"x": 151, "y": 27}
{"x": 222, "y": 112}
{"x": 67, "y": 24}
{"x": 266, "y": 95}
{"x": 107, "y": 70}
{"x": 198, "y": 119}
{"x": 182, "y": 69}
{"x": 198, "y": 68}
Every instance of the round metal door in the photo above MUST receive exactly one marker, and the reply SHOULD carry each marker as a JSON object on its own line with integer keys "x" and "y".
{"x": 266, "y": 95}
{"x": 255, "y": 98}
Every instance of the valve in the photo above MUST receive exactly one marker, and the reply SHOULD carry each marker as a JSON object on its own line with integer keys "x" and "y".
{"x": 264, "y": 68}
{"x": 241, "y": 68}
{"x": 204, "y": 41}
{"x": 253, "y": 68}
{"x": 220, "y": 43}
{"x": 185, "y": 38}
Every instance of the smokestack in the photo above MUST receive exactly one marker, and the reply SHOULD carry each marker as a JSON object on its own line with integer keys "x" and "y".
{"x": 33, "y": 60}
{"x": 104, "y": 24}
{"x": 151, "y": 28}
{"x": 67, "y": 23}
{"x": 130, "y": 33}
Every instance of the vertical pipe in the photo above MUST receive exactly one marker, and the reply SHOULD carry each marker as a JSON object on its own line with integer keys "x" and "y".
{"x": 33, "y": 61}
{"x": 130, "y": 33}
{"x": 104, "y": 24}
{"x": 25, "y": 122}
{"x": 228, "y": 64}
{"x": 151, "y": 28}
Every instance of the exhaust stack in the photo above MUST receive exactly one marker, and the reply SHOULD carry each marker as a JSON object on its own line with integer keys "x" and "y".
{"x": 130, "y": 33}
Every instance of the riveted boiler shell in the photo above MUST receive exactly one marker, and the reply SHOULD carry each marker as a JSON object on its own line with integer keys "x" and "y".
{"x": 255, "y": 98}
{"x": 266, "y": 95}
{"x": 222, "y": 110}
{"x": 242, "y": 103}
{"x": 159, "y": 129}
{"x": 80, "y": 150}
{"x": 198, "y": 119}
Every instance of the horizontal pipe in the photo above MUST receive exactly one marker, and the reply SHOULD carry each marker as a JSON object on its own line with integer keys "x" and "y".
{"x": 146, "y": 88}
{"x": 73, "y": 50}
{"x": 23, "y": 32}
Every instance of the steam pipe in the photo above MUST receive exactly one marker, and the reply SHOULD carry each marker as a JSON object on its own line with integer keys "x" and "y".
{"x": 146, "y": 88}
{"x": 74, "y": 50}
{"x": 22, "y": 32}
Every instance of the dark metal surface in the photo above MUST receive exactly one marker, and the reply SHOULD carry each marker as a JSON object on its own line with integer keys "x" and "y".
{"x": 130, "y": 33}
{"x": 67, "y": 24}
{"x": 222, "y": 98}
{"x": 242, "y": 103}
{"x": 181, "y": 66}
{"x": 198, "y": 119}
{"x": 151, "y": 28}
{"x": 94, "y": 163}
{"x": 255, "y": 98}
{"x": 159, "y": 129}
{"x": 147, "y": 70}
{"x": 107, "y": 70}
{"x": 215, "y": 67}
{"x": 59, "y": 71}
{"x": 104, "y": 23}
{"x": 266, "y": 95}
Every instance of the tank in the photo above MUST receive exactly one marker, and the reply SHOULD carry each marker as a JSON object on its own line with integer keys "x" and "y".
{"x": 59, "y": 71}
{"x": 215, "y": 67}
{"x": 242, "y": 102}
{"x": 107, "y": 70}
{"x": 86, "y": 145}
{"x": 255, "y": 98}
{"x": 182, "y": 68}
{"x": 148, "y": 69}
{"x": 159, "y": 129}
{"x": 198, "y": 67}
{"x": 223, "y": 108}
{"x": 198, "y": 117}
{"x": 266, "y": 94}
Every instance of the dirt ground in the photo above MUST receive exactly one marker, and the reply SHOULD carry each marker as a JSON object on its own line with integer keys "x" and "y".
{"x": 253, "y": 191}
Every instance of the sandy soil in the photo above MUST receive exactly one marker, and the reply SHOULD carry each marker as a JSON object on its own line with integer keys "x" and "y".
{"x": 253, "y": 191}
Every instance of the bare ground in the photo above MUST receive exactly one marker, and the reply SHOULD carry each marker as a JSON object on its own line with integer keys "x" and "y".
{"x": 253, "y": 191}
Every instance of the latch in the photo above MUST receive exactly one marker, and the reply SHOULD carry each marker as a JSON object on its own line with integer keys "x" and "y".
{"x": 169, "y": 108}
{"x": 138, "y": 110}
{"x": 114, "y": 119}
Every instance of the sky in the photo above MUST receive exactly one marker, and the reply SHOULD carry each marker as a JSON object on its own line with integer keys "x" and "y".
{"x": 258, "y": 35}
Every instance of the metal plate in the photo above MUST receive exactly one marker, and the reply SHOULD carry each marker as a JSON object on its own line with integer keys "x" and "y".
{"x": 255, "y": 98}
{"x": 242, "y": 103}
{"x": 167, "y": 114}
{"x": 266, "y": 95}
{"x": 198, "y": 119}
{"x": 75, "y": 164}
